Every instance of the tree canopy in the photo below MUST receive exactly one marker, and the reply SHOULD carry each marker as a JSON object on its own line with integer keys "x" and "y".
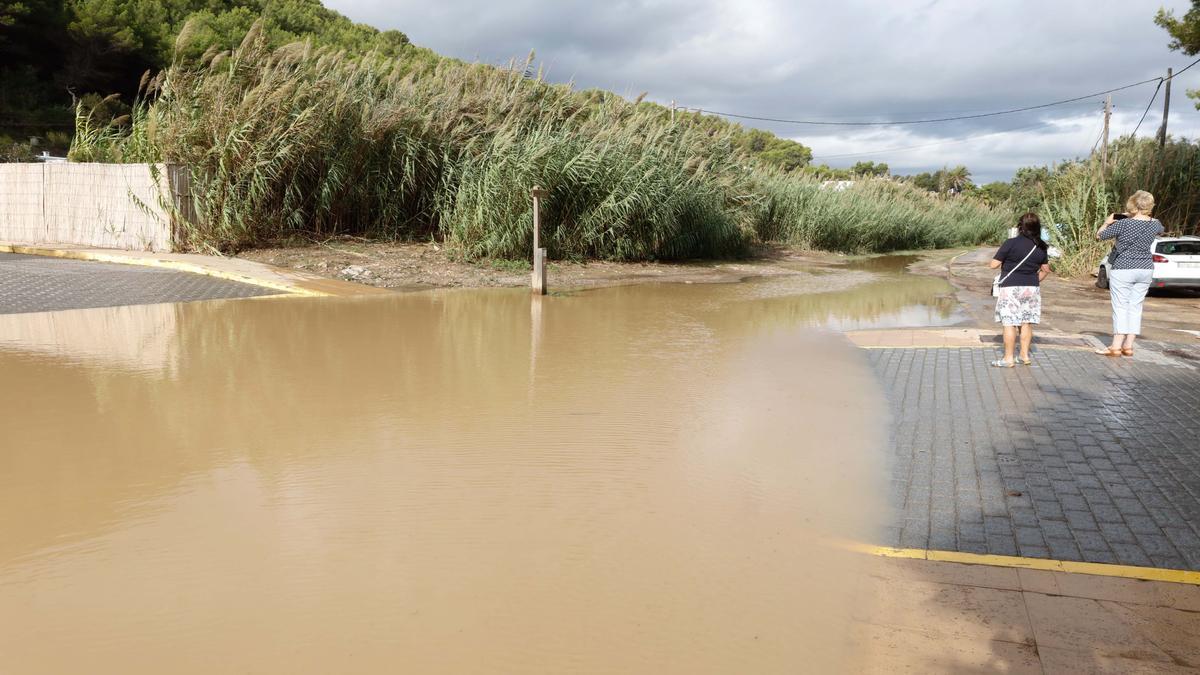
{"x": 944, "y": 180}
{"x": 1185, "y": 34}
{"x": 51, "y": 50}
{"x": 784, "y": 153}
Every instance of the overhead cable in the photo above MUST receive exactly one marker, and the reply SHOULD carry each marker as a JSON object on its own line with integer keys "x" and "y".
{"x": 930, "y": 145}
{"x": 938, "y": 119}
{"x": 1147, "y": 110}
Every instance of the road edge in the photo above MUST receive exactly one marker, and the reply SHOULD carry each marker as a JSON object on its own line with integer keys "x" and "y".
{"x": 236, "y": 270}
{"x": 1048, "y": 564}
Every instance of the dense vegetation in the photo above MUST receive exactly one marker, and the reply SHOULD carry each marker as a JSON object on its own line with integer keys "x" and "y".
{"x": 1073, "y": 197}
{"x": 307, "y": 139}
{"x": 52, "y": 51}
{"x": 1077, "y": 195}
{"x": 293, "y": 119}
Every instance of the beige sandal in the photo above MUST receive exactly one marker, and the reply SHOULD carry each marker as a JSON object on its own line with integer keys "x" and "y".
{"x": 1108, "y": 352}
{"x": 1127, "y": 351}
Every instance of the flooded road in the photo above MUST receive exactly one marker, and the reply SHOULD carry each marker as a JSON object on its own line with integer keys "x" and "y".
{"x": 628, "y": 479}
{"x": 890, "y": 297}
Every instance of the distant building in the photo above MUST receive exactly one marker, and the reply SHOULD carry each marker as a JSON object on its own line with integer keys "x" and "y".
{"x": 837, "y": 185}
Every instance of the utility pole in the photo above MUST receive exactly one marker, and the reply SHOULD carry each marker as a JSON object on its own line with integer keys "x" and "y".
{"x": 673, "y": 110}
{"x": 1162, "y": 131}
{"x": 1104, "y": 147}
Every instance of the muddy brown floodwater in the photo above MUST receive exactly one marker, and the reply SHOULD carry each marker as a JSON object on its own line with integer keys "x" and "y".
{"x": 638, "y": 479}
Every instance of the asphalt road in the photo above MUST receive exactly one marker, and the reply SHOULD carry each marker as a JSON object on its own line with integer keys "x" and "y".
{"x": 41, "y": 284}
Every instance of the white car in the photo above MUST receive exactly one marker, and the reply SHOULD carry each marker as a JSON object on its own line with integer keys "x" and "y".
{"x": 1176, "y": 264}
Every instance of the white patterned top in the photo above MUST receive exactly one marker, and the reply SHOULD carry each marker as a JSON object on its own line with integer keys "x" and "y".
{"x": 1135, "y": 239}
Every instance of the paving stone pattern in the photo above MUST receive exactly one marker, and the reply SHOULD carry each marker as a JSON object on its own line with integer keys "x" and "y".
{"x": 1076, "y": 458}
{"x": 40, "y": 284}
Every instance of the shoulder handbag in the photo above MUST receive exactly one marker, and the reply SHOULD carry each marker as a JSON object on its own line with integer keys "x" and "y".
{"x": 997, "y": 280}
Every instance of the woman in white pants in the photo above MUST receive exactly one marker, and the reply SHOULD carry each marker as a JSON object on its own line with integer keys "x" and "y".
{"x": 1131, "y": 268}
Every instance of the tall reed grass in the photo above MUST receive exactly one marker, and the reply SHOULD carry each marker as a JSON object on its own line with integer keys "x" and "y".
{"x": 309, "y": 140}
{"x": 1072, "y": 209}
{"x": 1171, "y": 173}
{"x": 873, "y": 215}
{"x": 1079, "y": 195}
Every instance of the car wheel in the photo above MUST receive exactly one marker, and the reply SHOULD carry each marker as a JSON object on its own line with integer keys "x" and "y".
{"x": 1102, "y": 278}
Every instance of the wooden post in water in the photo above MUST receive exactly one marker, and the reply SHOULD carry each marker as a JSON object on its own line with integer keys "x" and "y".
{"x": 539, "y": 253}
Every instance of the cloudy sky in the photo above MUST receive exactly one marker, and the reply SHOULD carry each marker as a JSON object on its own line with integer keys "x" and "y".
{"x": 843, "y": 60}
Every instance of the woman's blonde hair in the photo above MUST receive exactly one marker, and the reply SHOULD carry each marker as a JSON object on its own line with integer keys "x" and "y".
{"x": 1140, "y": 201}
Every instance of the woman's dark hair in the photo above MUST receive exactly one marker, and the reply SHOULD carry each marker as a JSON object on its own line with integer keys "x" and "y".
{"x": 1030, "y": 226}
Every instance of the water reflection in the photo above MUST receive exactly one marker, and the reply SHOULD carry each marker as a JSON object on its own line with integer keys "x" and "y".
{"x": 877, "y": 293}
{"x": 886, "y": 264}
{"x": 626, "y": 479}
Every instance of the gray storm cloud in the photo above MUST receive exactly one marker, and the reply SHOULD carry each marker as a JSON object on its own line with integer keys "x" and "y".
{"x": 856, "y": 60}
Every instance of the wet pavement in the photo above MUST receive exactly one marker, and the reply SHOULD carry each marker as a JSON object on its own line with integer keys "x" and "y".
{"x": 1077, "y": 458}
{"x": 41, "y": 284}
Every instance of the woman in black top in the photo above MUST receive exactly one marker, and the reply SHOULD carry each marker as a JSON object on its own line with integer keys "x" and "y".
{"x": 1023, "y": 264}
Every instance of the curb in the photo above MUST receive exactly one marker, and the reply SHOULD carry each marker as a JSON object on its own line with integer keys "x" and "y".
{"x": 160, "y": 263}
{"x": 950, "y": 265}
{"x": 1047, "y": 564}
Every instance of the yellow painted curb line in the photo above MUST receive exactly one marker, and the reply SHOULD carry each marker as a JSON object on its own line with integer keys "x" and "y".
{"x": 177, "y": 265}
{"x": 1095, "y": 569}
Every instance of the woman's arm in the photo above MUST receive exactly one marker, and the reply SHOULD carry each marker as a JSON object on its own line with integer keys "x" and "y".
{"x": 993, "y": 264}
{"x": 1043, "y": 272}
{"x": 1107, "y": 221}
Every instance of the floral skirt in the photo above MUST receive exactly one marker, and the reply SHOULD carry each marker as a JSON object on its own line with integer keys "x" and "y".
{"x": 1019, "y": 304}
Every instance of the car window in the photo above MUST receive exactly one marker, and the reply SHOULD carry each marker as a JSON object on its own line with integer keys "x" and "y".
{"x": 1179, "y": 247}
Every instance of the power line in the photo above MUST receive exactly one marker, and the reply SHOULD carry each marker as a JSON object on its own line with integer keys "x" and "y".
{"x": 1077, "y": 99}
{"x": 1158, "y": 80}
{"x": 939, "y": 119}
{"x": 1185, "y": 68}
{"x": 1154, "y": 96}
{"x": 1147, "y": 110}
{"x": 907, "y": 112}
{"x": 930, "y": 145}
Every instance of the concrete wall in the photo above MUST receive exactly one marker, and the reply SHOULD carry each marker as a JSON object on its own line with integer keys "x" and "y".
{"x": 21, "y": 209}
{"x": 103, "y": 205}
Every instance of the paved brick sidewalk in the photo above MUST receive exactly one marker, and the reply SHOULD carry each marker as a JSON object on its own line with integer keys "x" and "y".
{"x": 1077, "y": 458}
{"x": 40, "y": 284}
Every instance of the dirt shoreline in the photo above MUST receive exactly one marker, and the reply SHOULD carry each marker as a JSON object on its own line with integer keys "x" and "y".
{"x": 1069, "y": 305}
{"x": 423, "y": 266}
